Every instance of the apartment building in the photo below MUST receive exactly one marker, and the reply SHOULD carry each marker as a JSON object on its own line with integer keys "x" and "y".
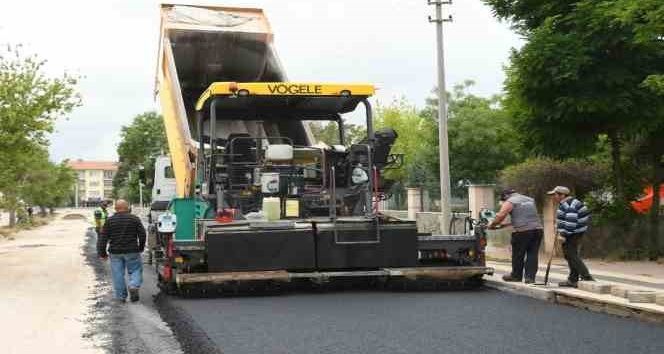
{"x": 95, "y": 180}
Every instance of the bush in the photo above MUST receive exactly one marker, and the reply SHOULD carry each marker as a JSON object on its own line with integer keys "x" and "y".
{"x": 535, "y": 176}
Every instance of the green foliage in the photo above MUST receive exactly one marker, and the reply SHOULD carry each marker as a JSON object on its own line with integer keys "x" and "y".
{"x": 328, "y": 132}
{"x": 30, "y": 102}
{"x": 415, "y": 140}
{"x": 654, "y": 83}
{"x": 481, "y": 138}
{"x": 141, "y": 142}
{"x": 591, "y": 69}
{"x": 535, "y": 176}
{"x": 580, "y": 73}
{"x": 590, "y": 74}
{"x": 47, "y": 185}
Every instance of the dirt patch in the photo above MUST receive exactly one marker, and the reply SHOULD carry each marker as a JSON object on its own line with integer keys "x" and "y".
{"x": 6, "y": 231}
{"x": 74, "y": 217}
{"x": 33, "y": 246}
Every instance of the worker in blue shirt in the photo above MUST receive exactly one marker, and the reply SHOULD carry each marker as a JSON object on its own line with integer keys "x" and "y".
{"x": 572, "y": 219}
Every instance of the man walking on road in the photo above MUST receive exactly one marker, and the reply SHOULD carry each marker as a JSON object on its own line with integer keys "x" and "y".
{"x": 101, "y": 214}
{"x": 526, "y": 237}
{"x": 572, "y": 222}
{"x": 125, "y": 236}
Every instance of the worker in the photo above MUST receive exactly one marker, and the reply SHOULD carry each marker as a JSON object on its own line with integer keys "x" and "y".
{"x": 101, "y": 214}
{"x": 526, "y": 237}
{"x": 572, "y": 223}
{"x": 124, "y": 235}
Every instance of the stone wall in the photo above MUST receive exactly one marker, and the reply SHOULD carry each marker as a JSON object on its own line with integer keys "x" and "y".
{"x": 427, "y": 222}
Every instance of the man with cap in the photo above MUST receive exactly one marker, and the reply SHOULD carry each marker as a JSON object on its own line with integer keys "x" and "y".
{"x": 572, "y": 220}
{"x": 101, "y": 214}
{"x": 526, "y": 237}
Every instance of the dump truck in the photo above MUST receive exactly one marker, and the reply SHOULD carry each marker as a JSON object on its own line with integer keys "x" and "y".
{"x": 259, "y": 201}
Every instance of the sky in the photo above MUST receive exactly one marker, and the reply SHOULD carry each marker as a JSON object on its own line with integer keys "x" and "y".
{"x": 113, "y": 44}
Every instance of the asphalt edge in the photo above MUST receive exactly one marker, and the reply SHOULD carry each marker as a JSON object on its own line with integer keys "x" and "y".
{"x": 191, "y": 337}
{"x": 523, "y": 290}
{"x": 100, "y": 326}
{"x": 576, "y": 300}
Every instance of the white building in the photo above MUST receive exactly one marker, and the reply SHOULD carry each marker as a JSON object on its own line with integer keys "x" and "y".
{"x": 95, "y": 180}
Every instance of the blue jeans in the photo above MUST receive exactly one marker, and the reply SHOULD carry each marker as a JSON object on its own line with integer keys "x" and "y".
{"x": 133, "y": 263}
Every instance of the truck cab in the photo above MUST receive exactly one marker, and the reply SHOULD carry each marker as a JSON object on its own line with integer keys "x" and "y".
{"x": 164, "y": 188}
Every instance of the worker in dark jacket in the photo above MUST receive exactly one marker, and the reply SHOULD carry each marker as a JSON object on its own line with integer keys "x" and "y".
{"x": 572, "y": 220}
{"x": 124, "y": 235}
{"x": 526, "y": 237}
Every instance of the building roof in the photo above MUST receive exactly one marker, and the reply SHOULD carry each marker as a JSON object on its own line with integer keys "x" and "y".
{"x": 93, "y": 165}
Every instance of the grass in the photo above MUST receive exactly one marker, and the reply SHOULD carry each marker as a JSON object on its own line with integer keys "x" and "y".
{"x": 36, "y": 221}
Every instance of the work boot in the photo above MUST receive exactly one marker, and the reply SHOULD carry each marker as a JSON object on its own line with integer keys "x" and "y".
{"x": 529, "y": 281}
{"x": 118, "y": 300}
{"x": 567, "y": 284}
{"x": 510, "y": 278}
{"x": 133, "y": 294}
{"x": 588, "y": 278}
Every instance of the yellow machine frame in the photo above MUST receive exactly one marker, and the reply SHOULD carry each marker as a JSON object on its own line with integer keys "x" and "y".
{"x": 312, "y": 89}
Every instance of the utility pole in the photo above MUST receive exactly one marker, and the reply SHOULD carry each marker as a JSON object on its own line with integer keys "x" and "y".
{"x": 76, "y": 192}
{"x": 442, "y": 117}
{"x": 140, "y": 193}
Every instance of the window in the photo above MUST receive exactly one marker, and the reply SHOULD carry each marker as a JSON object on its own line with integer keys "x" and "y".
{"x": 168, "y": 172}
{"x": 108, "y": 183}
{"x": 94, "y": 183}
{"x": 109, "y": 174}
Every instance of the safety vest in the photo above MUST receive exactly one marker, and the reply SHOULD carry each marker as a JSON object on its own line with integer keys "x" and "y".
{"x": 101, "y": 215}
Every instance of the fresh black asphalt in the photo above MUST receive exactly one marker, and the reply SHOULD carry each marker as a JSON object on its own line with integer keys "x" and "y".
{"x": 481, "y": 321}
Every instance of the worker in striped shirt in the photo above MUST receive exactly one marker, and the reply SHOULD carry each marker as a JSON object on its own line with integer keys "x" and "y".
{"x": 572, "y": 222}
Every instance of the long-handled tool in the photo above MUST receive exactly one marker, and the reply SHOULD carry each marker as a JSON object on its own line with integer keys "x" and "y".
{"x": 548, "y": 264}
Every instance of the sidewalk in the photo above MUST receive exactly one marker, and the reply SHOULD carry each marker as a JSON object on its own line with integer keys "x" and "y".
{"x": 631, "y": 289}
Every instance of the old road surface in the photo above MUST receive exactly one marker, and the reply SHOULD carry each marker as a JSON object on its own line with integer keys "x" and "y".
{"x": 55, "y": 296}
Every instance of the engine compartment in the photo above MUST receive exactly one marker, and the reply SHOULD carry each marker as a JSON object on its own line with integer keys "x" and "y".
{"x": 309, "y": 181}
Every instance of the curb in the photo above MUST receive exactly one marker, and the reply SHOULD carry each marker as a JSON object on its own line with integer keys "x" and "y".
{"x": 534, "y": 292}
{"x": 601, "y": 303}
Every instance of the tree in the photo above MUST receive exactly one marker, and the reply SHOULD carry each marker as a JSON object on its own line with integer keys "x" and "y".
{"x": 47, "y": 185}
{"x": 535, "y": 176}
{"x": 30, "y": 102}
{"x": 141, "y": 142}
{"x": 328, "y": 132}
{"x": 414, "y": 140}
{"x": 581, "y": 74}
{"x": 482, "y": 140}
